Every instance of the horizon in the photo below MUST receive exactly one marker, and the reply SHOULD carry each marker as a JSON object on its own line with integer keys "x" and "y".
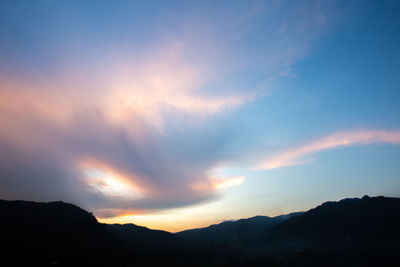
{"x": 216, "y": 223}
{"x": 129, "y": 221}
{"x": 177, "y": 115}
{"x": 160, "y": 225}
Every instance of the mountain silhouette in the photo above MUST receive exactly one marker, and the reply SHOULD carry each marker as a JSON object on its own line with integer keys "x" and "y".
{"x": 49, "y": 233}
{"x": 367, "y": 223}
{"x": 350, "y": 232}
{"x": 140, "y": 235}
{"x": 238, "y": 232}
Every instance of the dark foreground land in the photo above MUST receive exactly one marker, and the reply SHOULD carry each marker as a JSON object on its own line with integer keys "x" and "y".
{"x": 351, "y": 232}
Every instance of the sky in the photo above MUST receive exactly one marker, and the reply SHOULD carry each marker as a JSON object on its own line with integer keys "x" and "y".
{"x": 181, "y": 114}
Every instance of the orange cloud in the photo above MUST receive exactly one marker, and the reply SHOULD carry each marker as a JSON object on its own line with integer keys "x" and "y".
{"x": 224, "y": 183}
{"x": 342, "y": 139}
{"x": 103, "y": 179}
{"x": 117, "y": 214}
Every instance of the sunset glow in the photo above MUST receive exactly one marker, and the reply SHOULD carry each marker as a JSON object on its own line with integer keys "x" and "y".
{"x": 174, "y": 115}
{"x": 106, "y": 181}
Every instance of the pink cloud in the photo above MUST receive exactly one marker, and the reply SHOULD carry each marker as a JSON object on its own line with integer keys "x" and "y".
{"x": 298, "y": 155}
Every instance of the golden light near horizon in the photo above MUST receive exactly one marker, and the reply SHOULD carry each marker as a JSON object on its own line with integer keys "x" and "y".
{"x": 199, "y": 215}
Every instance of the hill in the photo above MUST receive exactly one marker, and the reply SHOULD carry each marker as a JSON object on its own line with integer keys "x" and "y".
{"x": 370, "y": 223}
{"x": 233, "y": 233}
{"x": 350, "y": 232}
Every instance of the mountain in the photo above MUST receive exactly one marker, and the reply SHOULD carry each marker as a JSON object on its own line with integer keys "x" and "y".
{"x": 139, "y": 234}
{"x": 51, "y": 232}
{"x": 233, "y": 233}
{"x": 367, "y": 223}
{"x": 58, "y": 233}
{"x": 43, "y": 224}
{"x": 344, "y": 231}
{"x": 350, "y": 232}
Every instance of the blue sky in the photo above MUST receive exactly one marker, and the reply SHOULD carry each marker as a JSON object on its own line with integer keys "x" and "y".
{"x": 179, "y": 114}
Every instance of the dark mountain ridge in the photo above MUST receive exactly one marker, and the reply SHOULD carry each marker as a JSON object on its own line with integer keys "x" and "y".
{"x": 234, "y": 232}
{"x": 350, "y": 232}
{"x": 140, "y": 234}
{"x": 349, "y": 223}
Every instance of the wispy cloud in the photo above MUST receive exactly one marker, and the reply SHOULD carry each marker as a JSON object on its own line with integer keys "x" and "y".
{"x": 300, "y": 155}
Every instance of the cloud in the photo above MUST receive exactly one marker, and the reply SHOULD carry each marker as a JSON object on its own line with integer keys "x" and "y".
{"x": 60, "y": 147}
{"x": 299, "y": 155}
{"x": 228, "y": 182}
{"x": 122, "y": 124}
